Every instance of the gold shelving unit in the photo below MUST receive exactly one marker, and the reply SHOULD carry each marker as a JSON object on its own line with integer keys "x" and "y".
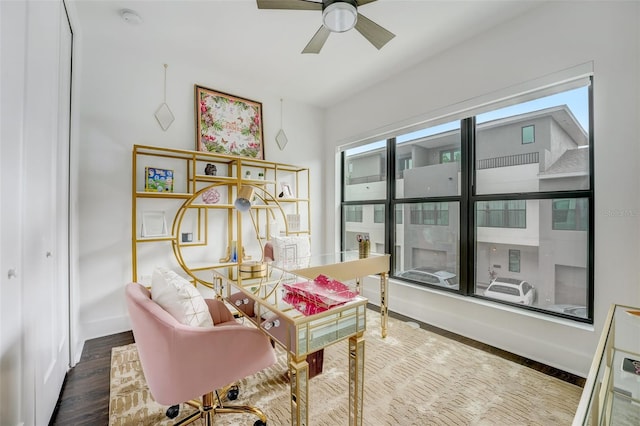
{"x": 211, "y": 230}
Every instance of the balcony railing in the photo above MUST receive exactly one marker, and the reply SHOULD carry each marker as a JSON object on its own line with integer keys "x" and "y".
{"x": 509, "y": 160}
{"x": 366, "y": 179}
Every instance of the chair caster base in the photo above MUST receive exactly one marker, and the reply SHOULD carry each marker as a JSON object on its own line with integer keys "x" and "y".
{"x": 173, "y": 411}
{"x": 259, "y": 423}
{"x": 232, "y": 393}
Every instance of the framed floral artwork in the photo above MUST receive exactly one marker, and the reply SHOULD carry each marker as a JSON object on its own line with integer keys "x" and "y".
{"x": 227, "y": 124}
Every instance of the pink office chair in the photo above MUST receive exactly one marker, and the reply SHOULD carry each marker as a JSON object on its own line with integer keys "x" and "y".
{"x": 181, "y": 362}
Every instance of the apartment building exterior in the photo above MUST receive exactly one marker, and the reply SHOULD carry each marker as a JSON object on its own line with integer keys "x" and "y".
{"x": 542, "y": 241}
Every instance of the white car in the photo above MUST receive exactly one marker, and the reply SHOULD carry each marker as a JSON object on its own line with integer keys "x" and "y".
{"x": 575, "y": 310}
{"x": 511, "y": 290}
{"x": 432, "y": 276}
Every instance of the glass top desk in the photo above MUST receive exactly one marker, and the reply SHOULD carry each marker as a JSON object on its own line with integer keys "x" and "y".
{"x": 262, "y": 300}
{"x": 611, "y": 394}
{"x": 345, "y": 266}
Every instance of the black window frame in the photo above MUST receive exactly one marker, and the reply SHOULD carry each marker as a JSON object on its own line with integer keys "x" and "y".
{"x": 467, "y": 200}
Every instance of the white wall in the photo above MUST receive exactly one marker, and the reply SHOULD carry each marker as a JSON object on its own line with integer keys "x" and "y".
{"x": 549, "y": 39}
{"x": 119, "y": 89}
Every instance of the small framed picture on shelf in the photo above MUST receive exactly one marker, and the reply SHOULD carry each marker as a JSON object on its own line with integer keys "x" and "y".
{"x": 154, "y": 224}
{"x": 158, "y": 180}
{"x": 286, "y": 191}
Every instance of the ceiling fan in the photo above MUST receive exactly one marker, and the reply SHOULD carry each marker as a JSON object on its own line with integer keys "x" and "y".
{"x": 337, "y": 16}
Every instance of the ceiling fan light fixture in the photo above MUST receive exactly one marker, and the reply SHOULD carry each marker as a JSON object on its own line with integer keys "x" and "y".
{"x": 340, "y": 16}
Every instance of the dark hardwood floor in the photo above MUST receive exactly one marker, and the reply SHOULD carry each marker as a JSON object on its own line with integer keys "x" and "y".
{"x": 84, "y": 399}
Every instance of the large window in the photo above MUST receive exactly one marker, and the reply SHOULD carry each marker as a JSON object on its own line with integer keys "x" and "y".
{"x": 460, "y": 206}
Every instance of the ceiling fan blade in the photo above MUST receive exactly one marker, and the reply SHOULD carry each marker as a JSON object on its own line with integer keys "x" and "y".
{"x": 317, "y": 41}
{"x": 363, "y": 2}
{"x": 373, "y": 32}
{"x": 289, "y": 4}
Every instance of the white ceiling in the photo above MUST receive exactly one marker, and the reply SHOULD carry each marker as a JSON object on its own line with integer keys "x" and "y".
{"x": 264, "y": 46}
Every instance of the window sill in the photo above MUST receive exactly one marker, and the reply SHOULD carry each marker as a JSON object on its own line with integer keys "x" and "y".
{"x": 495, "y": 305}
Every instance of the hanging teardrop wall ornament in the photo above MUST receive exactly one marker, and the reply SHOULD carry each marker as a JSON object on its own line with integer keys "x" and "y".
{"x": 163, "y": 113}
{"x": 281, "y": 138}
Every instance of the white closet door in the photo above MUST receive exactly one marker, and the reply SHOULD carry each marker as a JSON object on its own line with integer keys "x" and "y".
{"x": 34, "y": 311}
{"x": 12, "y": 366}
{"x": 45, "y": 255}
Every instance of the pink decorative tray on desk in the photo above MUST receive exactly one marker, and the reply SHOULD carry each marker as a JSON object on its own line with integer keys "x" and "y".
{"x": 321, "y": 294}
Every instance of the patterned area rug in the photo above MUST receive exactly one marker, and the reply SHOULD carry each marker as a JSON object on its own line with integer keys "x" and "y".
{"x": 413, "y": 377}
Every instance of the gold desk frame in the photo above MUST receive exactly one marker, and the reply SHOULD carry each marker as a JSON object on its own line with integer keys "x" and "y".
{"x": 300, "y": 335}
{"x": 344, "y": 266}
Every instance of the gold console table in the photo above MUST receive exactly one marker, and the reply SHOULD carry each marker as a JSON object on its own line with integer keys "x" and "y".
{"x": 611, "y": 394}
{"x": 262, "y": 301}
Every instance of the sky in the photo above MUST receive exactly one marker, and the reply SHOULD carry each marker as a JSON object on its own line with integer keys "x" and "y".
{"x": 577, "y": 100}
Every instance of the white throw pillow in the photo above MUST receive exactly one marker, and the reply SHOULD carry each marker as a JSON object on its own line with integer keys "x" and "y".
{"x": 181, "y": 299}
{"x": 290, "y": 249}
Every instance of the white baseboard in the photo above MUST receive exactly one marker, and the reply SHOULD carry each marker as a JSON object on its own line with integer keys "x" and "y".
{"x": 106, "y": 327}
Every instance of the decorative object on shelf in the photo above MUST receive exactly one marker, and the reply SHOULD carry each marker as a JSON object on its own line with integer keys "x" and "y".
{"x": 154, "y": 224}
{"x": 210, "y": 169}
{"x": 187, "y": 237}
{"x": 291, "y": 250}
{"x": 281, "y": 138}
{"x": 232, "y": 254}
{"x": 286, "y": 191}
{"x": 364, "y": 246}
{"x": 163, "y": 113}
{"x": 158, "y": 180}
{"x": 211, "y": 196}
{"x": 247, "y": 174}
{"x": 234, "y": 251}
{"x": 261, "y": 176}
{"x": 253, "y": 270}
{"x": 227, "y": 124}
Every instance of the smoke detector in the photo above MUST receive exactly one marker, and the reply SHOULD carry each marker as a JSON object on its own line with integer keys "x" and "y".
{"x": 130, "y": 16}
